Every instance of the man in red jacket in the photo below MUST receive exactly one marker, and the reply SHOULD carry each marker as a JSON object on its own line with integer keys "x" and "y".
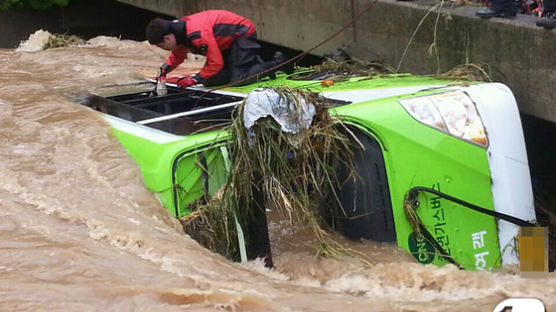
{"x": 228, "y": 41}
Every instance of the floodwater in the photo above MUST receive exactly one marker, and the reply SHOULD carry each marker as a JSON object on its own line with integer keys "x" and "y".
{"x": 80, "y": 232}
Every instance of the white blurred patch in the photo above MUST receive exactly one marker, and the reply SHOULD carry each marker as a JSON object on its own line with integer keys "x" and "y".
{"x": 36, "y": 42}
{"x": 520, "y": 305}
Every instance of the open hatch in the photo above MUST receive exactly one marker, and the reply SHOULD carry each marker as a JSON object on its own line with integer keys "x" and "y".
{"x": 179, "y": 112}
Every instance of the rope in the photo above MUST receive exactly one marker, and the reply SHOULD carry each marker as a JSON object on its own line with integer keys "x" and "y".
{"x": 295, "y": 58}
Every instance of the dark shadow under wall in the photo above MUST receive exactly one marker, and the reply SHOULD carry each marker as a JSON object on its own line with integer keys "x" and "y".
{"x": 83, "y": 18}
{"x": 268, "y": 50}
{"x": 540, "y": 139}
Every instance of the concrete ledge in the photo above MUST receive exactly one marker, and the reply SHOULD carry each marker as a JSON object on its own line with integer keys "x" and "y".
{"x": 519, "y": 54}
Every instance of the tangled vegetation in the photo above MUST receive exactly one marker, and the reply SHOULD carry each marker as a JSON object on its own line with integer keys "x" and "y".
{"x": 340, "y": 70}
{"x": 62, "y": 40}
{"x": 296, "y": 173}
{"x": 467, "y": 72}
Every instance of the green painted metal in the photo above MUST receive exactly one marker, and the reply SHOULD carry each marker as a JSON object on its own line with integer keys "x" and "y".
{"x": 415, "y": 155}
{"x": 198, "y": 175}
{"x": 383, "y": 82}
{"x": 157, "y": 164}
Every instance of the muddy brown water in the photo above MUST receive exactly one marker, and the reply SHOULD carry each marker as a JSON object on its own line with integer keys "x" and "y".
{"x": 80, "y": 232}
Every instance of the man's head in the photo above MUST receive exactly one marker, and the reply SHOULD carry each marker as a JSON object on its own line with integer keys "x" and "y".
{"x": 159, "y": 33}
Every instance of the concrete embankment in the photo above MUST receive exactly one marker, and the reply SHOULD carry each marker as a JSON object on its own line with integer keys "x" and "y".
{"x": 518, "y": 53}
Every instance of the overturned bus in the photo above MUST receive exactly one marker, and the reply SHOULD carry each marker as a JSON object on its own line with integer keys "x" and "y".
{"x": 455, "y": 151}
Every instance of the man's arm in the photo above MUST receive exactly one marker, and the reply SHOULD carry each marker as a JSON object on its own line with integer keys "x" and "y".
{"x": 175, "y": 58}
{"x": 207, "y": 46}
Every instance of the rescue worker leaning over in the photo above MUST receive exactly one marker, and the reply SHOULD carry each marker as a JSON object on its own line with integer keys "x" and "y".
{"x": 228, "y": 41}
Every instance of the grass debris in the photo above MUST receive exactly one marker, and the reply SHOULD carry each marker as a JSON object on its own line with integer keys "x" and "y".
{"x": 341, "y": 70}
{"x": 467, "y": 72}
{"x": 296, "y": 173}
{"x": 344, "y": 69}
{"x": 62, "y": 40}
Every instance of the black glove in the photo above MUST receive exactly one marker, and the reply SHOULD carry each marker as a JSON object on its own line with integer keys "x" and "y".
{"x": 164, "y": 69}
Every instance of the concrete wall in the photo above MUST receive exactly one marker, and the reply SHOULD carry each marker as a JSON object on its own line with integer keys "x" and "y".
{"x": 518, "y": 53}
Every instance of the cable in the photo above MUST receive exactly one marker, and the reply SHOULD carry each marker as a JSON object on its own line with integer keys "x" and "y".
{"x": 498, "y": 215}
{"x": 412, "y": 196}
{"x": 295, "y": 58}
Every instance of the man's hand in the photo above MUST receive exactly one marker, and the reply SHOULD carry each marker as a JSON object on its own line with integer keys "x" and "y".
{"x": 160, "y": 88}
{"x": 187, "y": 82}
{"x": 164, "y": 69}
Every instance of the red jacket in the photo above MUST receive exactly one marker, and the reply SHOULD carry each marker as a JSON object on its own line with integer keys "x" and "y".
{"x": 209, "y": 33}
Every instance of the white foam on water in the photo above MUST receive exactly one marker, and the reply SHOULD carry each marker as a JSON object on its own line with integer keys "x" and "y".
{"x": 36, "y": 41}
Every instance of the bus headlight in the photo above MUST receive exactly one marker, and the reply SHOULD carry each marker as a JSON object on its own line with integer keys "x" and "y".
{"x": 452, "y": 112}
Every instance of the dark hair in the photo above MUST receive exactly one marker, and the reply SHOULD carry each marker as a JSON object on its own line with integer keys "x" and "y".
{"x": 157, "y": 29}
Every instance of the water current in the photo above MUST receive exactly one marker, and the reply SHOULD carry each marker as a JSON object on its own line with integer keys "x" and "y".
{"x": 80, "y": 232}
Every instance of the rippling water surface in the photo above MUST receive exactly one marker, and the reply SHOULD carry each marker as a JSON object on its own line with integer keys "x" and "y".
{"x": 80, "y": 232}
